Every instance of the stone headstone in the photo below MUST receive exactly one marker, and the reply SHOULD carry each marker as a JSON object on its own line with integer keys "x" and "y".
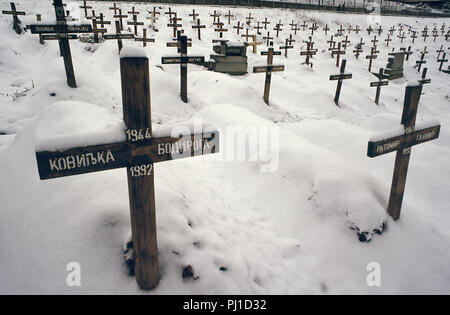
{"x": 230, "y": 58}
{"x": 394, "y": 68}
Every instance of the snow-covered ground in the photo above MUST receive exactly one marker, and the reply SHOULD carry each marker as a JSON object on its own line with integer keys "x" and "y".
{"x": 288, "y": 231}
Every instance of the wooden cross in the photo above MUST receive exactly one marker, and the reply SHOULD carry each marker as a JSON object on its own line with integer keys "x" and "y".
{"x": 291, "y": 40}
{"x": 425, "y": 35}
{"x": 374, "y": 41}
{"x": 420, "y": 62}
{"x": 229, "y": 16}
{"x": 331, "y": 41}
{"x": 115, "y": 8}
{"x": 85, "y": 7}
{"x": 326, "y": 29}
{"x": 258, "y": 27}
{"x": 268, "y": 69}
{"x": 341, "y": 31}
{"x": 96, "y": 30}
{"x": 183, "y": 61}
{"x": 407, "y": 52}
{"x": 392, "y": 30}
{"x": 138, "y": 154}
{"x": 135, "y": 23}
{"x": 246, "y": 35}
{"x": 198, "y": 27}
{"x": 358, "y": 50}
{"x": 381, "y": 82}
{"x": 120, "y": 16}
{"x": 194, "y": 15}
{"x": 402, "y": 37}
{"x": 119, "y": 36}
{"x": 221, "y": 30}
{"x": 15, "y": 13}
{"x": 62, "y": 30}
{"x": 413, "y": 36}
{"x": 369, "y": 30}
{"x": 304, "y": 26}
{"x": 133, "y": 12}
{"x": 265, "y": 22}
{"x": 435, "y": 35}
{"x": 345, "y": 42}
{"x": 441, "y": 50}
{"x": 144, "y": 38}
{"x": 238, "y": 27}
{"x": 249, "y": 19}
{"x": 292, "y": 24}
{"x": 174, "y": 24}
{"x": 309, "y": 53}
{"x": 373, "y": 55}
{"x": 177, "y": 42}
{"x": 388, "y": 39}
{"x": 153, "y": 18}
{"x": 442, "y": 61}
{"x": 424, "y": 77}
{"x": 380, "y": 30}
{"x": 254, "y": 44}
{"x": 277, "y": 28}
{"x": 402, "y": 145}
{"x": 286, "y": 47}
{"x": 357, "y": 29}
{"x": 338, "y": 52}
{"x": 103, "y": 22}
{"x": 93, "y": 16}
{"x": 267, "y": 38}
{"x": 447, "y": 36}
{"x": 215, "y": 15}
{"x": 339, "y": 78}
{"x": 349, "y": 29}
{"x": 313, "y": 28}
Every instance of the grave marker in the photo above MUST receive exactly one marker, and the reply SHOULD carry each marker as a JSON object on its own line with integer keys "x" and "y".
{"x": 268, "y": 69}
{"x": 198, "y": 27}
{"x": 442, "y": 61}
{"x": 15, "y": 13}
{"x": 138, "y": 155}
{"x": 144, "y": 38}
{"x": 402, "y": 145}
{"x": 119, "y": 36}
{"x": 381, "y": 82}
{"x": 340, "y": 77}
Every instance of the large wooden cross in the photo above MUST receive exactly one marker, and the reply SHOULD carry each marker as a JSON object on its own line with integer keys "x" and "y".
{"x": 138, "y": 154}
{"x": 63, "y": 31}
{"x": 340, "y": 77}
{"x": 15, "y": 13}
{"x": 402, "y": 145}
{"x": 183, "y": 61}
{"x": 268, "y": 69}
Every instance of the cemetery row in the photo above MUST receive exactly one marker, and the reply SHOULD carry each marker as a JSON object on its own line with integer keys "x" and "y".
{"x": 142, "y": 150}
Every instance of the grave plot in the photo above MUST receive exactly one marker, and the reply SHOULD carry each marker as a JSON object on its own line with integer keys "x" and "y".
{"x": 289, "y": 203}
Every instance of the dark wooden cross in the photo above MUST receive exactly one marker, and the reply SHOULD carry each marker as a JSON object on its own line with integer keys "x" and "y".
{"x": 247, "y": 35}
{"x": 442, "y": 61}
{"x": 278, "y": 28}
{"x": 229, "y": 16}
{"x": 183, "y": 61}
{"x": 286, "y": 47}
{"x": 93, "y": 16}
{"x": 221, "y": 30}
{"x": 120, "y": 16}
{"x": 413, "y": 36}
{"x": 215, "y": 15}
{"x": 424, "y": 77}
{"x": 291, "y": 40}
{"x": 103, "y": 22}
{"x": 268, "y": 69}
{"x": 292, "y": 24}
{"x": 378, "y": 84}
{"x": 441, "y": 50}
{"x": 369, "y": 30}
{"x": 340, "y": 77}
{"x": 177, "y": 42}
{"x": 401, "y": 36}
{"x": 268, "y": 38}
{"x": 135, "y": 23}
{"x": 265, "y": 22}
{"x": 392, "y": 30}
{"x": 144, "y": 38}
{"x": 194, "y": 15}
{"x": 435, "y": 35}
{"x": 407, "y": 52}
{"x": 15, "y": 13}
{"x": 199, "y": 27}
{"x": 373, "y": 55}
{"x": 137, "y": 154}
{"x": 387, "y": 40}
{"x": 85, "y": 7}
{"x": 374, "y": 41}
{"x": 119, "y": 36}
{"x": 331, "y": 41}
{"x": 341, "y": 30}
{"x": 258, "y": 28}
{"x": 420, "y": 62}
{"x": 380, "y": 30}
{"x": 313, "y": 28}
{"x": 345, "y": 42}
{"x": 309, "y": 53}
{"x": 115, "y": 8}
{"x": 63, "y": 32}
{"x": 357, "y": 29}
{"x": 326, "y": 29}
{"x": 238, "y": 27}
{"x": 338, "y": 52}
{"x": 402, "y": 145}
{"x": 133, "y": 11}
{"x": 425, "y": 35}
{"x": 96, "y": 30}
{"x": 249, "y": 19}
{"x": 358, "y": 50}
{"x": 304, "y": 26}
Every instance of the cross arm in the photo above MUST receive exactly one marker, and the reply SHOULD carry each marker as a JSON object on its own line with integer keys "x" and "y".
{"x": 377, "y": 148}
{"x": 97, "y": 158}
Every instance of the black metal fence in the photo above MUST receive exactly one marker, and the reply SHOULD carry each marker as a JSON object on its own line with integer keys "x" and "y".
{"x": 290, "y": 5}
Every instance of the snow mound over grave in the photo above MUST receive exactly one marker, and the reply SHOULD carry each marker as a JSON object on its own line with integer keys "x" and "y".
{"x": 69, "y": 124}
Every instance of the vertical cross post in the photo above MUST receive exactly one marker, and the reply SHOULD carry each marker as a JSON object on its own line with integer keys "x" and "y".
{"x": 137, "y": 116}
